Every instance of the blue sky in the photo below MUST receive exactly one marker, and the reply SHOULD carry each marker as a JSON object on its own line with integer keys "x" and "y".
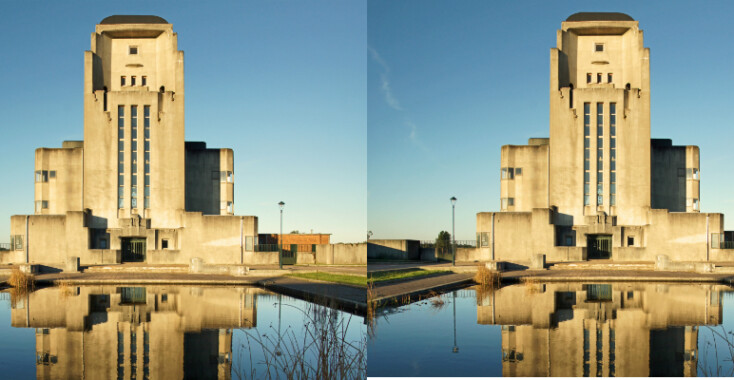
{"x": 283, "y": 83}
{"x": 450, "y": 82}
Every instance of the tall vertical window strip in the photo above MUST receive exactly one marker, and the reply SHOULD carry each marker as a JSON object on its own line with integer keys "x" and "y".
{"x": 612, "y": 154}
{"x": 146, "y": 127}
{"x": 120, "y": 156}
{"x": 133, "y": 156}
{"x": 587, "y": 151}
{"x": 599, "y": 153}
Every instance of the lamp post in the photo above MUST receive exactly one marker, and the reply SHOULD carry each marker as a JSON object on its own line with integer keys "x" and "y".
{"x": 280, "y": 237}
{"x": 453, "y": 231}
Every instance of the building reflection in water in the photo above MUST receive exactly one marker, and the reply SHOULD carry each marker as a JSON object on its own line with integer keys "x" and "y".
{"x": 568, "y": 329}
{"x": 152, "y": 332}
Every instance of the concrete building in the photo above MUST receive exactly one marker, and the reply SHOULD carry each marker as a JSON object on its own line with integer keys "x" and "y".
{"x": 600, "y": 187}
{"x": 133, "y": 189}
{"x": 611, "y": 330}
{"x": 108, "y": 332}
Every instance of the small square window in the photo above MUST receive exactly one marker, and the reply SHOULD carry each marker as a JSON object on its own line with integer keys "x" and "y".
{"x": 229, "y": 177}
{"x": 133, "y": 50}
{"x": 518, "y": 171}
{"x": 695, "y": 204}
{"x": 164, "y": 244}
{"x": 164, "y": 297}
{"x": 510, "y": 201}
{"x": 695, "y": 173}
{"x": 588, "y": 77}
{"x": 609, "y": 78}
{"x": 103, "y": 244}
{"x": 229, "y": 207}
{"x": 122, "y": 80}
{"x": 44, "y": 204}
{"x": 630, "y": 241}
{"x": 52, "y": 174}
{"x": 144, "y": 81}
{"x": 599, "y": 47}
{"x": 598, "y": 77}
{"x": 132, "y": 80}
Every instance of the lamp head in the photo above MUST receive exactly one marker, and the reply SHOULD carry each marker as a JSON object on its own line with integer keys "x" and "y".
{"x": 281, "y": 204}
{"x": 453, "y": 200}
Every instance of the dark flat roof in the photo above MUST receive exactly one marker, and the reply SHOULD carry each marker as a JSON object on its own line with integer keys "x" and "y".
{"x": 599, "y": 16}
{"x": 133, "y": 19}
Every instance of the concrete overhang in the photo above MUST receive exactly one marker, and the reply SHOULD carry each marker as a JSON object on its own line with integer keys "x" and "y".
{"x": 599, "y": 28}
{"x": 133, "y": 30}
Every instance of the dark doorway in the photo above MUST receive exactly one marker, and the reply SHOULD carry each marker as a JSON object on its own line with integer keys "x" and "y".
{"x": 133, "y": 250}
{"x": 599, "y": 246}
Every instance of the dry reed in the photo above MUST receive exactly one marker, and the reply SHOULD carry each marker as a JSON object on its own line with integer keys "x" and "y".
{"x": 21, "y": 280}
{"x": 486, "y": 277}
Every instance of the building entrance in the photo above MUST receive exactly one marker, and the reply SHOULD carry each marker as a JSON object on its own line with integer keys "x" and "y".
{"x": 133, "y": 250}
{"x": 599, "y": 247}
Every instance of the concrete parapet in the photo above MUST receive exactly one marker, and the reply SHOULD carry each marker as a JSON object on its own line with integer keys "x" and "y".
{"x": 496, "y": 266}
{"x": 28, "y": 268}
{"x": 198, "y": 266}
{"x": 704, "y": 267}
{"x": 537, "y": 261}
{"x": 72, "y": 264}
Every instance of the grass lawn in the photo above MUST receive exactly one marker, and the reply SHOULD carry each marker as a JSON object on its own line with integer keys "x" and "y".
{"x": 402, "y": 274}
{"x": 333, "y": 277}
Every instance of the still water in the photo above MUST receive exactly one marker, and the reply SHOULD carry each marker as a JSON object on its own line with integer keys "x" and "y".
{"x": 175, "y": 332}
{"x": 559, "y": 329}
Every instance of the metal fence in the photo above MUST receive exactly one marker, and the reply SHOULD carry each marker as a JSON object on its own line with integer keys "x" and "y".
{"x": 459, "y": 243}
{"x": 286, "y": 247}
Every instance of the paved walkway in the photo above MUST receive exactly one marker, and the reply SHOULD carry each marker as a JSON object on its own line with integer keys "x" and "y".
{"x": 420, "y": 286}
{"x": 352, "y": 299}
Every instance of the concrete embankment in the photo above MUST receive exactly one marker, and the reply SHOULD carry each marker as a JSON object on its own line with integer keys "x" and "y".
{"x": 348, "y": 298}
{"x": 411, "y": 289}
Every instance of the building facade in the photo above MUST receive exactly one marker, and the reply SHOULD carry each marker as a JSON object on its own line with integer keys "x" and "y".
{"x": 600, "y": 187}
{"x": 133, "y": 189}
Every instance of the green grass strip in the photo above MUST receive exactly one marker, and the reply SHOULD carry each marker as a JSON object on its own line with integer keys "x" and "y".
{"x": 333, "y": 277}
{"x": 401, "y": 274}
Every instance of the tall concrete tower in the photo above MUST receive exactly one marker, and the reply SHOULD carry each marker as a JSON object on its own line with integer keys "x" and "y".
{"x": 134, "y": 151}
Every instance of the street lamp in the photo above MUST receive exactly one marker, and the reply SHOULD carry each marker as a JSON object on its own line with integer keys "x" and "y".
{"x": 453, "y": 231}
{"x": 280, "y": 237}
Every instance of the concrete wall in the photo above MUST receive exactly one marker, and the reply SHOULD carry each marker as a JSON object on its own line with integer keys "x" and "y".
{"x": 393, "y": 249}
{"x": 204, "y": 182}
{"x": 675, "y": 177}
{"x": 341, "y": 254}
{"x": 528, "y": 190}
{"x": 63, "y": 192}
{"x": 515, "y": 236}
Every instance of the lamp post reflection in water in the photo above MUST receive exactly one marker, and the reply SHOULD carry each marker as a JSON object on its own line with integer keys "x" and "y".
{"x": 456, "y": 348}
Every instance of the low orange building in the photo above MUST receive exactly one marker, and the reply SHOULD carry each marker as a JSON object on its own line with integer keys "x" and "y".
{"x": 294, "y": 239}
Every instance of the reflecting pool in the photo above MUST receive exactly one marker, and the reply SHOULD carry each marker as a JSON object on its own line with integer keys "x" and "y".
{"x": 559, "y": 329}
{"x": 175, "y": 332}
